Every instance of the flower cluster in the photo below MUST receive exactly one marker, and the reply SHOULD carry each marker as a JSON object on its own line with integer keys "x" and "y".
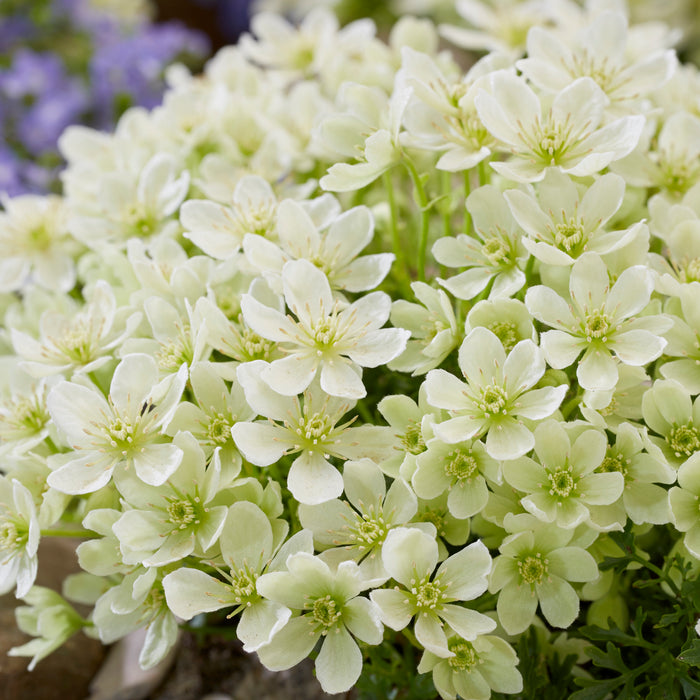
{"x": 76, "y": 61}
{"x": 366, "y": 351}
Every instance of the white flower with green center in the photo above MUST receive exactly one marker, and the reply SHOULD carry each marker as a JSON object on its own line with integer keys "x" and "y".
{"x": 167, "y": 523}
{"x": 643, "y": 500}
{"x": 218, "y": 229}
{"x": 35, "y": 244}
{"x": 564, "y": 133}
{"x": 138, "y": 602}
{"x": 599, "y": 51}
{"x": 563, "y": 483}
{"x": 368, "y": 132}
{"x": 213, "y": 415}
{"x": 310, "y": 427}
{"x": 412, "y": 425}
{"x": 334, "y": 251}
{"x": 672, "y": 166}
{"x": 410, "y": 557}
{"x": 491, "y": 256}
{"x": 448, "y": 529}
{"x": 601, "y": 319}
{"x": 355, "y": 529}
{"x": 488, "y": 663}
{"x": 19, "y": 537}
{"x": 458, "y": 469}
{"x": 24, "y": 417}
{"x": 330, "y": 609}
{"x": 496, "y": 396}
{"x": 441, "y": 115}
{"x": 562, "y": 223}
{"x": 685, "y": 505}
{"x": 535, "y": 567}
{"x": 81, "y": 342}
{"x": 669, "y": 412}
{"x": 326, "y": 338}
{"x": 249, "y": 547}
{"x": 433, "y": 327}
{"x": 122, "y": 431}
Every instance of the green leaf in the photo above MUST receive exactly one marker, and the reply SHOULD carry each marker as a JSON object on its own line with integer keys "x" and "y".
{"x": 691, "y": 653}
{"x": 596, "y": 691}
{"x": 611, "y": 658}
{"x": 670, "y": 618}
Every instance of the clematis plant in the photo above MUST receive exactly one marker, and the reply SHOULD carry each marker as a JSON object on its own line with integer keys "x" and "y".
{"x": 363, "y": 349}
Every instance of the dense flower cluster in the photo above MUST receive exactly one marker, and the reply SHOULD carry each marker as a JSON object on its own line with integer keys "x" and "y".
{"x": 76, "y": 61}
{"x": 357, "y": 347}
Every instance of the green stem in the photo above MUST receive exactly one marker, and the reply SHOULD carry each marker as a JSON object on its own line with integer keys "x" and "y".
{"x": 403, "y": 276}
{"x": 446, "y": 184}
{"x": 424, "y": 217}
{"x": 467, "y": 192}
{"x": 65, "y": 533}
{"x": 484, "y": 177}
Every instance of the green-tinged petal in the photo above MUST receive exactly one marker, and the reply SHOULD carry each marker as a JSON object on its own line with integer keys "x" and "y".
{"x": 161, "y": 634}
{"x": 601, "y": 489}
{"x": 539, "y": 403}
{"x": 524, "y": 474}
{"x": 498, "y": 666}
{"x": 247, "y": 536}
{"x": 467, "y": 498}
{"x": 189, "y": 592}
{"x": 588, "y": 451}
{"x": 290, "y": 645}
{"x": 466, "y": 572}
{"x": 508, "y": 439}
{"x": 313, "y": 479}
{"x": 362, "y": 617}
{"x": 430, "y": 633}
{"x": 572, "y": 564}
{"x": 444, "y": 390}
{"x": 339, "y": 663}
{"x": 692, "y": 540}
{"x": 471, "y": 685}
{"x": 459, "y": 429}
{"x": 689, "y": 476}
{"x": 647, "y": 503}
{"x": 558, "y": 601}
{"x": 394, "y": 607}
{"x": 364, "y": 483}
{"x": 469, "y": 624}
{"x": 504, "y": 572}
{"x": 684, "y": 508}
{"x": 259, "y": 622}
{"x": 516, "y": 608}
{"x": 481, "y": 357}
{"x": 523, "y": 367}
{"x": 597, "y": 370}
{"x": 408, "y": 553}
{"x": 549, "y": 308}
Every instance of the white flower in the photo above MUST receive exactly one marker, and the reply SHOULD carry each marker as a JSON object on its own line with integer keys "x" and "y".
{"x": 325, "y": 337}
{"x": 120, "y": 431}
{"x": 599, "y": 321}
{"x": 597, "y": 51}
{"x": 35, "y": 245}
{"x": 566, "y": 134}
{"x": 334, "y": 251}
{"x": 309, "y": 427}
{"x": 497, "y": 394}
{"x": 80, "y": 342}
{"x": 19, "y": 537}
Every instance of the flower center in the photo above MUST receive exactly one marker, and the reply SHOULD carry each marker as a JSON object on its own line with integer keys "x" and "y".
{"x": 370, "y": 531}
{"x": 465, "y": 656}
{"x": 243, "y": 586}
{"x": 691, "y": 271}
{"x": 28, "y": 417}
{"x": 461, "y": 465}
{"x": 14, "y": 534}
{"x": 597, "y": 325}
{"x": 259, "y": 221}
{"x": 121, "y": 434}
{"x": 314, "y": 429}
{"x": 252, "y": 346}
{"x": 493, "y": 400}
{"x": 494, "y": 250}
{"x": 506, "y": 332}
{"x": 412, "y": 439}
{"x": 325, "y": 612}
{"x": 39, "y": 238}
{"x": 326, "y": 333}
{"x": 568, "y": 234}
{"x": 428, "y": 594}
{"x": 533, "y": 569}
{"x": 614, "y": 462}
{"x": 684, "y": 439}
{"x": 182, "y": 513}
{"x": 561, "y": 483}
{"x": 219, "y": 429}
{"x": 174, "y": 351}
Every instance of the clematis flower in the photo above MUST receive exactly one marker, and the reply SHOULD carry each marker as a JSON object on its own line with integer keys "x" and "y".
{"x": 330, "y": 607}
{"x": 250, "y": 548}
{"x": 535, "y": 566}
{"x": 600, "y": 320}
{"x": 410, "y": 557}
{"x": 497, "y": 394}
{"x": 325, "y": 337}
{"x": 567, "y": 135}
{"x": 309, "y": 426}
{"x": 121, "y": 431}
